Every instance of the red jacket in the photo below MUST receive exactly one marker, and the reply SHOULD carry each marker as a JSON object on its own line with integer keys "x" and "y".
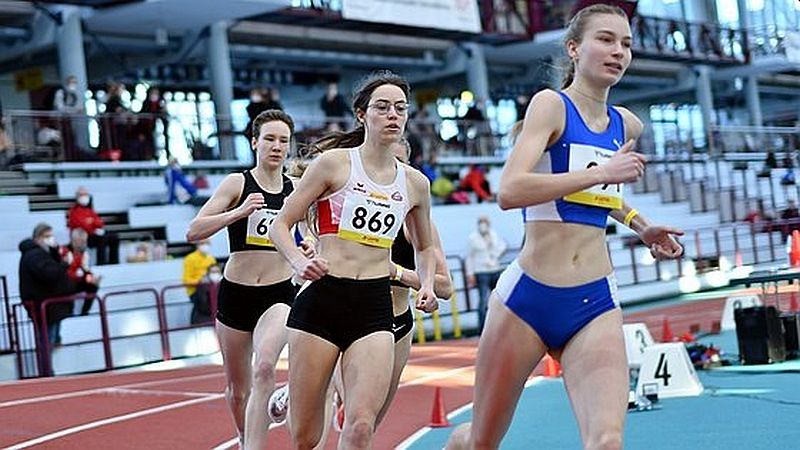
{"x": 78, "y": 269}
{"x": 84, "y": 217}
{"x": 476, "y": 182}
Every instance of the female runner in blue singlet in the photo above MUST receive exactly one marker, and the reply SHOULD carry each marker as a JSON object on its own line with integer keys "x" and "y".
{"x": 559, "y": 296}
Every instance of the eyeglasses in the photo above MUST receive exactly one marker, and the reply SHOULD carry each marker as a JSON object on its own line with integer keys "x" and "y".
{"x": 382, "y": 107}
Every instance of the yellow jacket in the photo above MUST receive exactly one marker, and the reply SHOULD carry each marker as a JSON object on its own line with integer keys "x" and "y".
{"x": 195, "y": 266}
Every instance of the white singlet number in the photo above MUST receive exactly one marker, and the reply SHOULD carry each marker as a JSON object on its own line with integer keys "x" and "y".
{"x": 258, "y": 226}
{"x": 370, "y": 220}
{"x": 583, "y": 157}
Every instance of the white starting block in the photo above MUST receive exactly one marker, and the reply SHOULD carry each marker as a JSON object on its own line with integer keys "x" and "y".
{"x": 733, "y": 302}
{"x": 668, "y": 367}
{"x": 637, "y": 338}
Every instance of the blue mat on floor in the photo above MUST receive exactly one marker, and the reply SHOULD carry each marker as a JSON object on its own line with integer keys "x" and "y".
{"x": 738, "y": 410}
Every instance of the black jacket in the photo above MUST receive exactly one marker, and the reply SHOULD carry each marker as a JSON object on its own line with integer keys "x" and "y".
{"x": 42, "y": 275}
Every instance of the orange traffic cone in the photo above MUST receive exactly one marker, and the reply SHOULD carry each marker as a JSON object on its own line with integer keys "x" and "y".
{"x": 438, "y": 415}
{"x": 794, "y": 252}
{"x": 793, "y": 306}
{"x": 552, "y": 368}
{"x": 666, "y": 331}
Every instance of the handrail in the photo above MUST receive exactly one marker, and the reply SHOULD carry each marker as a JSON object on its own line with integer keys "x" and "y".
{"x": 107, "y": 338}
{"x": 8, "y": 312}
{"x": 47, "y": 368}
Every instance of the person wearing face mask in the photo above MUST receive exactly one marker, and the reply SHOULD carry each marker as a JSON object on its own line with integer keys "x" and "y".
{"x": 79, "y": 270}
{"x": 82, "y": 215}
{"x": 195, "y": 266}
{"x": 201, "y": 298}
{"x": 69, "y": 102}
{"x": 484, "y": 249}
{"x": 43, "y": 275}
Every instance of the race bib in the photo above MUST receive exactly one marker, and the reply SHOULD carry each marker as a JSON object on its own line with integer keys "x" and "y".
{"x": 603, "y": 195}
{"x": 371, "y": 219}
{"x": 258, "y": 226}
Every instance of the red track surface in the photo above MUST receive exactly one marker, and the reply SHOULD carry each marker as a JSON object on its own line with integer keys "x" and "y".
{"x": 184, "y": 408}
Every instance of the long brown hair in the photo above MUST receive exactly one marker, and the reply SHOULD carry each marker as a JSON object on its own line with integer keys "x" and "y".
{"x": 363, "y": 92}
{"x": 344, "y": 139}
{"x": 576, "y": 29}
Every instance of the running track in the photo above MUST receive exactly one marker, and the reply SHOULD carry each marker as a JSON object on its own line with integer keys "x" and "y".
{"x": 184, "y": 408}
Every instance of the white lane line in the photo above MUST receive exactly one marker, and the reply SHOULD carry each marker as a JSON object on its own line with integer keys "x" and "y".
{"x": 409, "y": 441}
{"x": 233, "y": 441}
{"x": 154, "y": 392}
{"x": 227, "y": 444}
{"x": 46, "y": 398}
{"x": 110, "y": 420}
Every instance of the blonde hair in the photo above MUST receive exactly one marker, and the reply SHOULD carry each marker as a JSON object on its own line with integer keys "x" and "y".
{"x": 577, "y": 27}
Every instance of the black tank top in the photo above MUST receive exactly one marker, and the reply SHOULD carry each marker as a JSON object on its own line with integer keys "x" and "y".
{"x": 403, "y": 251}
{"x": 250, "y": 233}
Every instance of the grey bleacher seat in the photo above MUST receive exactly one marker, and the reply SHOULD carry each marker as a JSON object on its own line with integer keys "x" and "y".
{"x": 15, "y": 228}
{"x": 114, "y": 194}
{"x": 14, "y": 204}
{"x": 148, "y": 216}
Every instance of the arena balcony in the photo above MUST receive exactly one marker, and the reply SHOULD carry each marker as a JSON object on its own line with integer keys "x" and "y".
{"x": 501, "y": 22}
{"x": 688, "y": 42}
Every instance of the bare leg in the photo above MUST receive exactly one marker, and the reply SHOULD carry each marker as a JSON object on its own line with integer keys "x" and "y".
{"x": 596, "y": 377}
{"x": 237, "y": 351}
{"x": 269, "y": 337}
{"x": 508, "y": 351}
{"x": 402, "y": 349}
{"x": 367, "y": 372}
{"x": 311, "y": 363}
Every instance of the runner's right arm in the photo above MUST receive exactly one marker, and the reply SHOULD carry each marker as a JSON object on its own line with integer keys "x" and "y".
{"x": 216, "y": 213}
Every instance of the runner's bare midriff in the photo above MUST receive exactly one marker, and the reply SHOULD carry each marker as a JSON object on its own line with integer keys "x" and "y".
{"x": 564, "y": 254}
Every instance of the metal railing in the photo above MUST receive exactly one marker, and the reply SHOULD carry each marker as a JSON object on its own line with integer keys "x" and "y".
{"x": 679, "y": 39}
{"x": 53, "y": 136}
{"x": 34, "y": 351}
{"x": 706, "y": 249}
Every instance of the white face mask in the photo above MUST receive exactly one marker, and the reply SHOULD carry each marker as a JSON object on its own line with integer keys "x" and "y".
{"x": 483, "y": 227}
{"x": 50, "y": 241}
{"x": 205, "y": 248}
{"x": 83, "y": 200}
{"x": 215, "y": 277}
{"x": 154, "y": 98}
{"x": 255, "y": 99}
{"x": 72, "y": 86}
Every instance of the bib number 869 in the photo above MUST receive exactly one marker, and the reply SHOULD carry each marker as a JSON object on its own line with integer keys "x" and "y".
{"x": 374, "y": 223}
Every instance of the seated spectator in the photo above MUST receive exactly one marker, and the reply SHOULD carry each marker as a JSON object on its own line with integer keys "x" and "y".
{"x": 201, "y": 298}
{"x": 82, "y": 215}
{"x": 79, "y": 270}
{"x": 195, "y": 266}
{"x": 788, "y": 178}
{"x": 43, "y": 275}
{"x": 442, "y": 187}
{"x": 174, "y": 177}
{"x": 475, "y": 181}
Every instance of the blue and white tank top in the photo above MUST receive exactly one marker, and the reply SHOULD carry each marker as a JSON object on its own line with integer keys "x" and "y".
{"x": 580, "y": 148}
